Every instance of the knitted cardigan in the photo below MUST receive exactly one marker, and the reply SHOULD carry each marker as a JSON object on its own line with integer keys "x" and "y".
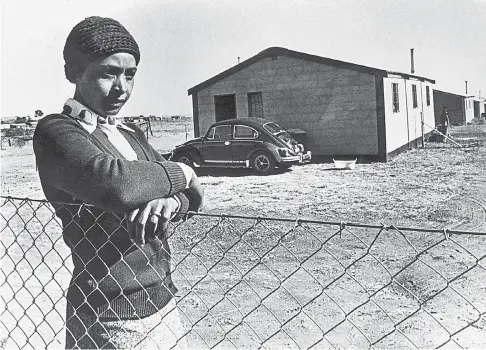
{"x": 113, "y": 278}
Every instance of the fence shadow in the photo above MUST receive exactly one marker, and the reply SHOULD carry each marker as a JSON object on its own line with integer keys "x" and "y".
{"x": 235, "y": 172}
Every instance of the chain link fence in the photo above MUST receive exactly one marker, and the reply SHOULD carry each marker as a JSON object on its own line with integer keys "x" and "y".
{"x": 247, "y": 282}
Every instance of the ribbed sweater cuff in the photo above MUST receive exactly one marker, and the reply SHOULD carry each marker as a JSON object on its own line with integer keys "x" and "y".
{"x": 183, "y": 209}
{"x": 176, "y": 177}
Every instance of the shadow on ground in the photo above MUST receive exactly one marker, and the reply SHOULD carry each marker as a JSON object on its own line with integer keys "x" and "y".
{"x": 237, "y": 172}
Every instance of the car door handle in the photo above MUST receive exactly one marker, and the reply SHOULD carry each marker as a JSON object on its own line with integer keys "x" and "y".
{"x": 227, "y": 143}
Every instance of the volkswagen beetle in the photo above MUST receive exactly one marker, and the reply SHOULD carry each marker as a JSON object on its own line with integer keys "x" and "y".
{"x": 243, "y": 143}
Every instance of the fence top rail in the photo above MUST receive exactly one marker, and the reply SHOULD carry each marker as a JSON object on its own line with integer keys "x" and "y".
{"x": 341, "y": 224}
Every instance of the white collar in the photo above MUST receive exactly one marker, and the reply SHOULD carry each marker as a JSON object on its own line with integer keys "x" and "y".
{"x": 87, "y": 118}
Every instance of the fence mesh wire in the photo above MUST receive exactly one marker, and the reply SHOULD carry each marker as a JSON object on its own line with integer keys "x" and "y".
{"x": 269, "y": 283}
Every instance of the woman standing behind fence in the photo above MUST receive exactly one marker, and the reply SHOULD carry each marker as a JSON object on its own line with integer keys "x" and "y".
{"x": 121, "y": 292}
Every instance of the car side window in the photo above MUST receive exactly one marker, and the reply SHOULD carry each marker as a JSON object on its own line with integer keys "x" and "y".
{"x": 222, "y": 133}
{"x": 210, "y": 135}
{"x": 245, "y": 132}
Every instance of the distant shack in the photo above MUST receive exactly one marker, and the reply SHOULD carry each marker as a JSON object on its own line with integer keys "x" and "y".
{"x": 18, "y": 125}
{"x": 346, "y": 109}
{"x": 460, "y": 108}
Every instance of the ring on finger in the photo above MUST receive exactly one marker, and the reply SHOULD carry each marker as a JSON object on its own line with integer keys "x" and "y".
{"x": 157, "y": 215}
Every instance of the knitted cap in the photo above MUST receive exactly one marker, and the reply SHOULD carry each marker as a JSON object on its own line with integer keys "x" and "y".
{"x": 95, "y": 38}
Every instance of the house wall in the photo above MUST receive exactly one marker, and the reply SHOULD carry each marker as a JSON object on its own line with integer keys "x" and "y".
{"x": 335, "y": 106}
{"x": 396, "y": 122}
{"x": 455, "y": 107}
{"x": 427, "y": 110}
{"x": 469, "y": 109}
{"x": 478, "y": 107}
{"x": 404, "y": 127}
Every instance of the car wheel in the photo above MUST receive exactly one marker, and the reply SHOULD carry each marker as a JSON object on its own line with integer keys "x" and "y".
{"x": 185, "y": 159}
{"x": 263, "y": 163}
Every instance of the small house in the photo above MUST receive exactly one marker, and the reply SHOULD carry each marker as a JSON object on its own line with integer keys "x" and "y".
{"x": 478, "y": 107}
{"x": 456, "y": 107}
{"x": 18, "y": 125}
{"x": 345, "y": 109}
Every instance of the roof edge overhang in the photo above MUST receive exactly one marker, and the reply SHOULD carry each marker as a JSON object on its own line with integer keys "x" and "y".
{"x": 450, "y": 93}
{"x": 280, "y": 51}
{"x": 410, "y": 76}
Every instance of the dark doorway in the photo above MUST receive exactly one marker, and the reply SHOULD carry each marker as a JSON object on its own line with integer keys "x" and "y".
{"x": 476, "y": 109}
{"x": 225, "y": 107}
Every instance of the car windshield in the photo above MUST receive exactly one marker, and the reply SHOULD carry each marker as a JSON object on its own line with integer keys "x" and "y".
{"x": 279, "y": 133}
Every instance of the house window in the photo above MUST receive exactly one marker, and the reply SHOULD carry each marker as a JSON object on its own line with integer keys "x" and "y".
{"x": 396, "y": 100}
{"x": 255, "y": 105}
{"x": 427, "y": 95}
{"x": 225, "y": 107}
{"x": 414, "y": 96}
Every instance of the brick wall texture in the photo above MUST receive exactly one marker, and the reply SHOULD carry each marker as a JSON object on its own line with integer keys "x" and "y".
{"x": 335, "y": 106}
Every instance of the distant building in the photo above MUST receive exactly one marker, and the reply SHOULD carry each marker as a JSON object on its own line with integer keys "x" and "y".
{"x": 22, "y": 119}
{"x": 478, "y": 107}
{"x": 457, "y": 107}
{"x": 18, "y": 125}
{"x": 346, "y": 109}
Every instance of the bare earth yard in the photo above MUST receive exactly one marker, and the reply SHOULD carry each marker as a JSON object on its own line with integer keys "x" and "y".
{"x": 244, "y": 282}
{"x": 441, "y": 186}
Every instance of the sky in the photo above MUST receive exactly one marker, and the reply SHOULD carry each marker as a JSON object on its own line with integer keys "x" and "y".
{"x": 185, "y": 42}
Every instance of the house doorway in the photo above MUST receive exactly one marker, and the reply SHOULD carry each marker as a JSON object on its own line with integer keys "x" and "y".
{"x": 476, "y": 109}
{"x": 225, "y": 107}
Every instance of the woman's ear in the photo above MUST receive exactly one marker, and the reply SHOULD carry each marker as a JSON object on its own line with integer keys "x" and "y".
{"x": 72, "y": 72}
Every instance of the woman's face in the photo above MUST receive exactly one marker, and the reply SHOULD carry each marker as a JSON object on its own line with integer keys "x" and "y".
{"x": 106, "y": 85}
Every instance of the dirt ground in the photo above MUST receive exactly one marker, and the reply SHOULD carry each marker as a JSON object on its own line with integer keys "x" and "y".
{"x": 244, "y": 282}
{"x": 441, "y": 186}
